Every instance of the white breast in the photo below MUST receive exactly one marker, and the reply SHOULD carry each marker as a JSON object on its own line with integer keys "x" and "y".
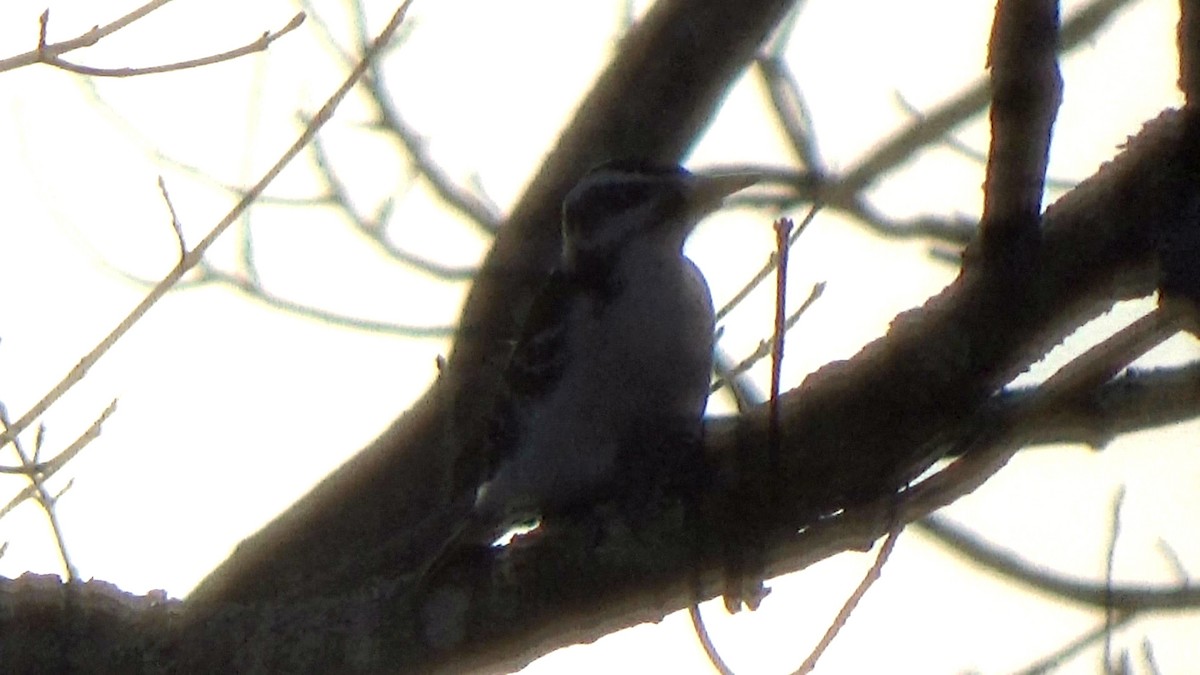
{"x": 637, "y": 363}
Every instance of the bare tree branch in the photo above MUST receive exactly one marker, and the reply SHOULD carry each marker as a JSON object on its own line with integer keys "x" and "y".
{"x": 1026, "y": 93}
{"x": 48, "y": 469}
{"x": 1099, "y": 595}
{"x": 38, "y": 473}
{"x": 87, "y": 39}
{"x": 47, "y": 56}
{"x": 1137, "y": 400}
{"x": 375, "y": 228}
{"x": 197, "y": 254}
{"x": 1055, "y": 661}
{"x": 1077, "y": 29}
{"x": 1189, "y": 51}
{"x": 257, "y": 291}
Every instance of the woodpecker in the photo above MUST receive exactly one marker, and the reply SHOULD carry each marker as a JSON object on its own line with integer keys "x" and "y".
{"x": 607, "y": 383}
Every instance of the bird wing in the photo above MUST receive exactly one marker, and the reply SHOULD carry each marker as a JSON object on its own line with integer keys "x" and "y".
{"x": 536, "y": 362}
{"x": 540, "y": 353}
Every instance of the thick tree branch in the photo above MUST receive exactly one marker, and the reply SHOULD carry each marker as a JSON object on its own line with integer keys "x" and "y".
{"x": 1026, "y": 93}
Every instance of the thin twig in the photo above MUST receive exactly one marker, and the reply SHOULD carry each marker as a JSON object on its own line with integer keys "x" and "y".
{"x": 1077, "y": 30}
{"x": 843, "y": 615}
{"x": 37, "y": 489}
{"x": 261, "y": 44}
{"x": 745, "y": 395}
{"x": 770, "y": 468}
{"x": 375, "y": 228}
{"x": 783, "y": 231}
{"x": 791, "y": 110}
{"x": 1148, "y": 657}
{"x": 472, "y": 204}
{"x": 48, "y": 503}
{"x": 1172, "y": 557}
{"x": 1066, "y": 588}
{"x": 764, "y": 346}
{"x": 48, "y": 469}
{"x": 962, "y": 148}
{"x": 176, "y": 226}
{"x": 87, "y": 39}
{"x": 257, "y": 292}
{"x": 246, "y": 280}
{"x": 1109, "y": 563}
{"x": 325, "y": 31}
{"x": 710, "y": 649}
{"x": 1054, "y": 662}
{"x": 461, "y": 200}
{"x": 769, "y": 266}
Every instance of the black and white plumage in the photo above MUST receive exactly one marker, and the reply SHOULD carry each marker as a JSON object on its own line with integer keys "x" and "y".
{"x": 608, "y": 381}
{"x": 611, "y": 373}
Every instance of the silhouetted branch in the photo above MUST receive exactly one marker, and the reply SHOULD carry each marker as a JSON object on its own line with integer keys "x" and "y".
{"x": 375, "y": 228}
{"x": 38, "y": 473}
{"x": 256, "y": 291}
{"x": 1026, "y": 92}
{"x": 1188, "y": 41}
{"x": 962, "y": 148}
{"x": 48, "y": 55}
{"x": 1054, "y": 662}
{"x": 973, "y": 99}
{"x": 1136, "y": 400}
{"x": 477, "y": 210}
{"x": 51, "y": 50}
{"x": 196, "y": 255}
{"x": 1099, "y": 595}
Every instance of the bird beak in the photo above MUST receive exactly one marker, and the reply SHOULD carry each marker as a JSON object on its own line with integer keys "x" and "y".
{"x": 709, "y": 190}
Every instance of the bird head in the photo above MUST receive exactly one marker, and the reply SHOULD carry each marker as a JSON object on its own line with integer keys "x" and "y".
{"x": 619, "y": 201}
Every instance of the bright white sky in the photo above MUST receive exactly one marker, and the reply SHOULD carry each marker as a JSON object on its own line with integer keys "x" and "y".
{"x": 229, "y": 411}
